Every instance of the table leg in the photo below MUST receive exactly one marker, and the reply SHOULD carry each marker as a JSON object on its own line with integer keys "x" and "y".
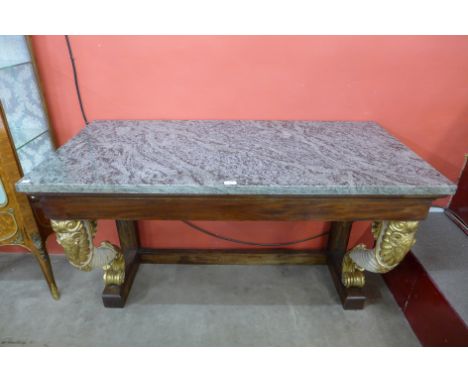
{"x": 393, "y": 240}
{"x": 352, "y": 298}
{"x": 76, "y": 238}
{"x": 115, "y": 296}
{"x": 37, "y": 247}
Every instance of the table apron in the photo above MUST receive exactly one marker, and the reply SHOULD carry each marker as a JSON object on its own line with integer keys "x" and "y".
{"x": 273, "y": 208}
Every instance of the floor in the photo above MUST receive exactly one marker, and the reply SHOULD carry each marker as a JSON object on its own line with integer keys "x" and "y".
{"x": 442, "y": 249}
{"x": 189, "y": 305}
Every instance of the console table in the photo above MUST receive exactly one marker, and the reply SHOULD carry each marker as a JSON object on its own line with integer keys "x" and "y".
{"x": 235, "y": 170}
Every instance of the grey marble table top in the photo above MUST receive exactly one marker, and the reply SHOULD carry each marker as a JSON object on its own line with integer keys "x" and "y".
{"x": 235, "y": 157}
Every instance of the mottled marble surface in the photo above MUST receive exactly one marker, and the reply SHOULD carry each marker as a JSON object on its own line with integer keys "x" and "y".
{"x": 235, "y": 157}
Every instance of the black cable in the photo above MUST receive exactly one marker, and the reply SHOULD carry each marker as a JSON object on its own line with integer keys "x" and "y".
{"x": 75, "y": 76}
{"x": 190, "y": 224}
{"x": 198, "y": 228}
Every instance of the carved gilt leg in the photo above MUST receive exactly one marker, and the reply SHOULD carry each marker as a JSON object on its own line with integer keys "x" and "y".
{"x": 394, "y": 239}
{"x": 76, "y": 238}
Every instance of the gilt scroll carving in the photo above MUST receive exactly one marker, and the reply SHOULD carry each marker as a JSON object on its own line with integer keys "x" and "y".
{"x": 394, "y": 239}
{"x": 76, "y": 238}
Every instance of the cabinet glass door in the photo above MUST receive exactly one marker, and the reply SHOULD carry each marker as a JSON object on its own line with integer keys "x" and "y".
{"x": 22, "y": 102}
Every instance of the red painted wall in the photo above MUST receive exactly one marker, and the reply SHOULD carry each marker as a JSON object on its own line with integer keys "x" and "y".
{"x": 414, "y": 86}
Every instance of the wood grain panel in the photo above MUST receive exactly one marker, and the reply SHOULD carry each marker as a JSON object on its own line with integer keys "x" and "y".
{"x": 231, "y": 256}
{"x": 278, "y": 208}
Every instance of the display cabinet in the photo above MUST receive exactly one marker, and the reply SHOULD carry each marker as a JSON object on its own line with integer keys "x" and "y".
{"x": 25, "y": 140}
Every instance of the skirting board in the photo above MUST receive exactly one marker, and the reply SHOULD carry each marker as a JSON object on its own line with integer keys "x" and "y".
{"x": 432, "y": 318}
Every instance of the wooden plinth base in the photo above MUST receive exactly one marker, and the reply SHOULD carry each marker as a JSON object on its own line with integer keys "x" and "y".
{"x": 115, "y": 296}
{"x": 351, "y": 298}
